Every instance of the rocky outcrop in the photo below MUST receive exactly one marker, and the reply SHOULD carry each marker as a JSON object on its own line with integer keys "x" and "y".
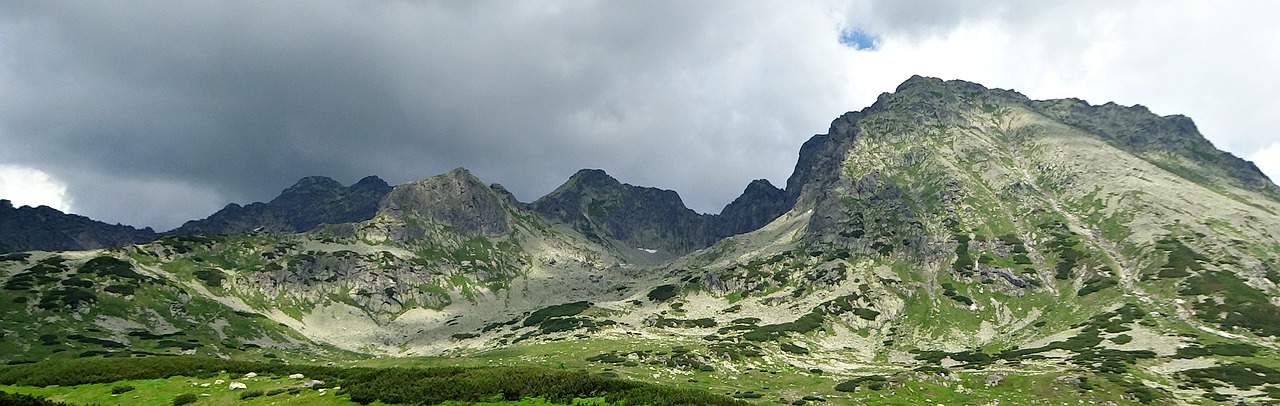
{"x": 310, "y": 202}
{"x": 455, "y": 199}
{"x": 46, "y": 229}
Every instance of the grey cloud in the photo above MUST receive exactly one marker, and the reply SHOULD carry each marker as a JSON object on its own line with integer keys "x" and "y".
{"x": 155, "y": 111}
{"x": 244, "y": 97}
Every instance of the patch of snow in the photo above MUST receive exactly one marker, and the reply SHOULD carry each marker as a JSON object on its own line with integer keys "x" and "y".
{"x": 648, "y": 250}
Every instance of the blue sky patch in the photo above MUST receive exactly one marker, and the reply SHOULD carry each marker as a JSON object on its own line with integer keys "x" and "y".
{"x": 859, "y": 39}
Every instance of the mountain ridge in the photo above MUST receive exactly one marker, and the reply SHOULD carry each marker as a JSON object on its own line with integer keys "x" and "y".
{"x": 44, "y": 228}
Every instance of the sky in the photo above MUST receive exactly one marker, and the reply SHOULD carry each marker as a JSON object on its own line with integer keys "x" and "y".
{"x": 151, "y": 113}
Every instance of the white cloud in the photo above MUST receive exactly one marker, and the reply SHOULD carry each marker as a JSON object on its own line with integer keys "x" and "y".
{"x": 1268, "y": 160}
{"x": 32, "y": 187}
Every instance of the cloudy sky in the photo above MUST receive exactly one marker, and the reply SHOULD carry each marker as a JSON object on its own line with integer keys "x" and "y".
{"x": 150, "y": 113}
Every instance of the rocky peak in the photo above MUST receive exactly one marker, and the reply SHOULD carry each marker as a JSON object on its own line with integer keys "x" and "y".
{"x": 641, "y": 217}
{"x": 371, "y": 183}
{"x": 760, "y": 203}
{"x": 456, "y": 199}
{"x": 651, "y": 218}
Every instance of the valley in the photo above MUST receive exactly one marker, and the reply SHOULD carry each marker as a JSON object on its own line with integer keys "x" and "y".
{"x": 950, "y": 244}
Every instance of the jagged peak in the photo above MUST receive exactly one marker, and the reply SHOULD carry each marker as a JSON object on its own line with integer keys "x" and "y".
{"x": 593, "y": 177}
{"x": 459, "y": 172}
{"x": 370, "y": 181}
{"x": 761, "y": 184}
{"x": 315, "y": 182}
{"x": 456, "y": 198}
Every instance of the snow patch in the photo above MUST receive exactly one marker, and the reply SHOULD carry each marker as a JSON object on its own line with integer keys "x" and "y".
{"x": 648, "y": 250}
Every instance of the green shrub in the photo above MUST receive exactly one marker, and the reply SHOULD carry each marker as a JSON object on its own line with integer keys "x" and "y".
{"x": 108, "y": 266}
{"x": 210, "y": 277}
{"x": 116, "y": 390}
{"x": 663, "y": 293}
{"x": 250, "y": 394}
{"x": 1096, "y": 284}
{"x": 20, "y": 399}
{"x": 874, "y": 382}
{"x": 561, "y": 310}
{"x": 184, "y": 399}
{"x": 866, "y": 314}
{"x": 794, "y": 349}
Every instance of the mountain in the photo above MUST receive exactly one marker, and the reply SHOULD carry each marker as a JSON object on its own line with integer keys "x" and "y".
{"x": 948, "y": 244}
{"x": 310, "y": 202}
{"x": 47, "y": 229}
{"x": 654, "y": 219}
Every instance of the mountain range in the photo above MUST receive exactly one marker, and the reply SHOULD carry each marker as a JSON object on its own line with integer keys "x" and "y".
{"x": 950, "y": 241}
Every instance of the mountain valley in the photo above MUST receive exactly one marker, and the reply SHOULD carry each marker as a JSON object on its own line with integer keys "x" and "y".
{"x": 949, "y": 244}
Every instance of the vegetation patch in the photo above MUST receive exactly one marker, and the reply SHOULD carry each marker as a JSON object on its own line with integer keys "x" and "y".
{"x": 1180, "y": 259}
{"x": 210, "y": 277}
{"x": 872, "y": 382}
{"x": 1067, "y": 246}
{"x": 1227, "y": 301}
{"x": 794, "y": 349}
{"x": 771, "y": 332}
{"x": 1223, "y": 349}
{"x": 108, "y": 266}
{"x": 1096, "y": 284}
{"x": 561, "y": 310}
{"x": 680, "y": 323}
{"x": 1239, "y": 375}
{"x": 664, "y": 292}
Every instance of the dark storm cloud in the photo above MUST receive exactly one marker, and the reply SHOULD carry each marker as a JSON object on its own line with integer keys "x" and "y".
{"x": 153, "y": 112}
{"x": 240, "y": 99}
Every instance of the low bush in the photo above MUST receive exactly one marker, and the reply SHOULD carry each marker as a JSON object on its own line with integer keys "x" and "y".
{"x": 562, "y": 310}
{"x": 663, "y": 293}
{"x": 185, "y": 399}
{"x": 19, "y": 399}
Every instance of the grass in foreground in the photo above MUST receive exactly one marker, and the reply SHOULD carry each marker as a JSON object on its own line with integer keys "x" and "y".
{"x": 158, "y": 380}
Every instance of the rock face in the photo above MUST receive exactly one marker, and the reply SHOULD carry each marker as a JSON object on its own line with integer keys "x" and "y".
{"x": 47, "y": 229}
{"x": 642, "y": 217}
{"x": 650, "y": 218}
{"x": 760, "y": 203}
{"x": 310, "y": 202}
{"x": 456, "y": 199}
